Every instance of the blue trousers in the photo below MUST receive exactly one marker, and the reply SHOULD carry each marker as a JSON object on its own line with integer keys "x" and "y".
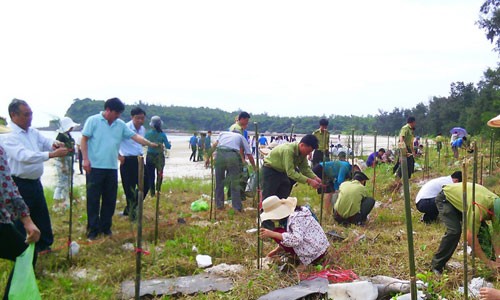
{"x": 32, "y": 193}
{"x": 101, "y": 183}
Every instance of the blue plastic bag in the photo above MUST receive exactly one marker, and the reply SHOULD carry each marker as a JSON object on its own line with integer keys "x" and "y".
{"x": 23, "y": 285}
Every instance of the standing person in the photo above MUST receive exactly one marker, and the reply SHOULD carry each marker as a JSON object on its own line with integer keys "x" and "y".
{"x": 14, "y": 243}
{"x": 254, "y": 144}
{"x": 323, "y": 136}
{"x": 101, "y": 138}
{"x": 129, "y": 164}
{"x": 64, "y": 164}
{"x": 439, "y": 141}
{"x": 193, "y": 144}
{"x": 208, "y": 144}
{"x": 336, "y": 172}
{"x": 155, "y": 160}
{"x": 375, "y": 158}
{"x": 201, "y": 146}
{"x": 287, "y": 164}
{"x": 241, "y": 124}
{"x": 426, "y": 197}
{"x": 263, "y": 141}
{"x": 353, "y": 204}
{"x": 26, "y": 150}
{"x": 406, "y": 137}
{"x": 450, "y": 206}
{"x": 460, "y": 142}
{"x": 227, "y": 166}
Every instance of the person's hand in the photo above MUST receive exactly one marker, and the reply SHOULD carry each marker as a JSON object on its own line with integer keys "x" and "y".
{"x": 32, "y": 232}
{"x": 486, "y": 293}
{"x": 121, "y": 159}
{"x": 57, "y": 144}
{"x": 86, "y": 166}
{"x": 266, "y": 233}
{"x": 154, "y": 145}
{"x": 313, "y": 183}
{"x": 207, "y": 162}
{"x": 59, "y": 152}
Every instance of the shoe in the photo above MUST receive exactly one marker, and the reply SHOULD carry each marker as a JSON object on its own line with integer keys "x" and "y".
{"x": 108, "y": 233}
{"x": 92, "y": 237}
{"x": 437, "y": 272}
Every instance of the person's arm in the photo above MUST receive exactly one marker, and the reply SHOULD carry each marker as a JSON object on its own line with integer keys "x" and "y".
{"x": 166, "y": 142}
{"x": 210, "y": 152}
{"x": 32, "y": 232}
{"x": 85, "y": 157}
{"x": 479, "y": 251}
{"x": 266, "y": 233}
{"x": 139, "y": 139}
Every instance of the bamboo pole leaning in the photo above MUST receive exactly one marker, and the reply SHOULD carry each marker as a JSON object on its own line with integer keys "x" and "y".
{"x": 259, "y": 248}
{"x": 409, "y": 225}
{"x": 159, "y": 181}
{"x": 138, "y": 251}
{"x": 70, "y": 229}
{"x": 474, "y": 181}
{"x": 464, "y": 227}
{"x": 352, "y": 149}
{"x": 323, "y": 180}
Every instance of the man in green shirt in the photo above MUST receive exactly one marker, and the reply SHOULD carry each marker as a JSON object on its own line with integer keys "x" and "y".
{"x": 406, "y": 137}
{"x": 287, "y": 164}
{"x": 323, "y": 136}
{"x": 241, "y": 123}
{"x": 450, "y": 207}
{"x": 353, "y": 204}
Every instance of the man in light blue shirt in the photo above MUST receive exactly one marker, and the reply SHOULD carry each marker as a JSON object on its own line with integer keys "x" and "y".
{"x": 129, "y": 165}
{"x": 101, "y": 138}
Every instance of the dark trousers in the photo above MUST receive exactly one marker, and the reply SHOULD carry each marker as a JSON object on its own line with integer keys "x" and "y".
{"x": 11, "y": 247}
{"x": 275, "y": 183}
{"x": 228, "y": 169}
{"x": 452, "y": 219}
{"x": 154, "y": 168}
{"x": 32, "y": 193}
{"x": 101, "y": 182}
{"x": 428, "y": 207}
{"x": 80, "y": 161}
{"x": 318, "y": 157}
{"x": 129, "y": 172}
{"x": 360, "y": 218}
{"x": 410, "y": 160}
{"x": 193, "y": 153}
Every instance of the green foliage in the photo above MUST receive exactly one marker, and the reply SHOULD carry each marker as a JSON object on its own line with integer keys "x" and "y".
{"x": 433, "y": 284}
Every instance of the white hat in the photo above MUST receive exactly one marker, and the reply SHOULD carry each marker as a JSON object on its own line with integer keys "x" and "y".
{"x": 66, "y": 124}
{"x": 276, "y": 208}
{"x": 155, "y": 120}
{"x": 495, "y": 122}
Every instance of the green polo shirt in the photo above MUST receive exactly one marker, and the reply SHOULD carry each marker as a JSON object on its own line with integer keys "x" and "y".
{"x": 285, "y": 158}
{"x": 407, "y": 134}
{"x": 323, "y": 139}
{"x": 236, "y": 127}
{"x": 349, "y": 201}
{"x": 484, "y": 198}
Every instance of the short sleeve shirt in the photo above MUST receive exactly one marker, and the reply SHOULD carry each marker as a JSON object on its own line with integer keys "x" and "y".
{"x": 104, "y": 140}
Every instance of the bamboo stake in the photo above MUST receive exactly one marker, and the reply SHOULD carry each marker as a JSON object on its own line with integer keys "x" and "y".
{"x": 374, "y": 165}
{"x": 70, "y": 255}
{"x": 361, "y": 146}
{"x": 140, "y": 184}
{"x": 490, "y": 171}
{"x": 323, "y": 179}
{"x": 409, "y": 226}
{"x": 464, "y": 227}
{"x": 212, "y": 184}
{"x": 427, "y": 168}
{"x": 481, "y": 170}
{"x": 474, "y": 181}
{"x": 352, "y": 149}
{"x": 259, "y": 249}
{"x": 291, "y": 132}
{"x": 159, "y": 180}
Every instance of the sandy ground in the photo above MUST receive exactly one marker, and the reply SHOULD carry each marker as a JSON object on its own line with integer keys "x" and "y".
{"x": 177, "y": 165}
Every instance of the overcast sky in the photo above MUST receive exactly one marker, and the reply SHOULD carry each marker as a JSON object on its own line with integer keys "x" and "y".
{"x": 287, "y": 58}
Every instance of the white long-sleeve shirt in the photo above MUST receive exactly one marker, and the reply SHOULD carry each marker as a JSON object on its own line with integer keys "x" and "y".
{"x": 26, "y": 151}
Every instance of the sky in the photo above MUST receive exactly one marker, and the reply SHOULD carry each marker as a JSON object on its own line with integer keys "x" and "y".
{"x": 287, "y": 58}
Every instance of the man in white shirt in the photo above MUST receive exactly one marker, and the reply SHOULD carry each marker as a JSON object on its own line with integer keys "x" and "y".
{"x": 425, "y": 200}
{"x": 228, "y": 166}
{"x": 27, "y": 150}
{"x": 129, "y": 165}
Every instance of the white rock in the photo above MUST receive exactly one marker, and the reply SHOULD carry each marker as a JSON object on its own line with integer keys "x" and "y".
{"x": 194, "y": 249}
{"x": 253, "y": 230}
{"x": 203, "y": 261}
{"x": 128, "y": 247}
{"x": 420, "y": 296}
{"x": 225, "y": 270}
{"x": 359, "y": 290}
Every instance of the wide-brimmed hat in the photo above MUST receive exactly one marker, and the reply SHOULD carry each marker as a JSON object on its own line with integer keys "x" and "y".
{"x": 66, "y": 124}
{"x": 495, "y": 122}
{"x": 276, "y": 208}
{"x": 4, "y": 129}
{"x": 155, "y": 121}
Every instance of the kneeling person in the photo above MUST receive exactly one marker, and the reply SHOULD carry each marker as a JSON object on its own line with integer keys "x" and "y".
{"x": 353, "y": 204}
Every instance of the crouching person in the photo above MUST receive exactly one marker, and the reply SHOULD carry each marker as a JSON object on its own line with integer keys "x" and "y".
{"x": 353, "y": 204}
{"x": 299, "y": 233}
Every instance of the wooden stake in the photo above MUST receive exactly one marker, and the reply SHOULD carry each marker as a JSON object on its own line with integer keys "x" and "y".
{"x": 259, "y": 248}
{"x": 464, "y": 227}
{"x": 374, "y": 165}
{"x": 70, "y": 255}
{"x": 159, "y": 181}
{"x": 138, "y": 251}
{"x": 474, "y": 181}
{"x": 323, "y": 179}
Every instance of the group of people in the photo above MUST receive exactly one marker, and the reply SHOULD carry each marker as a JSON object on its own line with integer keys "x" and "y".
{"x": 105, "y": 138}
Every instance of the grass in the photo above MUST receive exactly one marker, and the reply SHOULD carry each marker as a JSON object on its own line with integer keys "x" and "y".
{"x": 383, "y": 251}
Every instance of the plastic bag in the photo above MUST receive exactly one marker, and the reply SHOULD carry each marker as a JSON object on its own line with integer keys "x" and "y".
{"x": 24, "y": 284}
{"x": 199, "y": 205}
